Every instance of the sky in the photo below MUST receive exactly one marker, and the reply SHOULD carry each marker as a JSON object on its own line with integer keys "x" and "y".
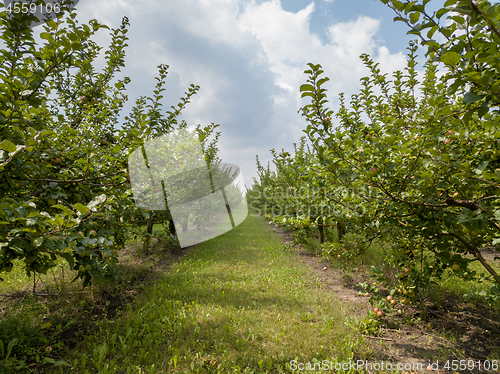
{"x": 249, "y": 57}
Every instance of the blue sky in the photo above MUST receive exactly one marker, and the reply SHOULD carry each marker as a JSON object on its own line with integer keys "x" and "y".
{"x": 248, "y": 57}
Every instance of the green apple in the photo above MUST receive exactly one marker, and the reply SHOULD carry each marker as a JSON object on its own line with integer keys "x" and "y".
{"x": 455, "y": 267}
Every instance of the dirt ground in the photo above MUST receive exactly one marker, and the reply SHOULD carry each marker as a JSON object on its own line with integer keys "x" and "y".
{"x": 411, "y": 337}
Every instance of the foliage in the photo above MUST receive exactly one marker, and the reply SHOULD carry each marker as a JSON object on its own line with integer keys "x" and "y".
{"x": 415, "y": 164}
{"x": 296, "y": 195}
{"x": 64, "y": 187}
{"x": 430, "y": 159}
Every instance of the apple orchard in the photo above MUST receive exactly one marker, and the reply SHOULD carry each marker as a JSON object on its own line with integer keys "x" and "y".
{"x": 414, "y": 163}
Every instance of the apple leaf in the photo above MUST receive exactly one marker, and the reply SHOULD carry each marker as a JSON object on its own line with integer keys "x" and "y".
{"x": 81, "y": 208}
{"x": 470, "y": 97}
{"x": 8, "y": 146}
{"x": 306, "y": 87}
{"x": 451, "y": 58}
{"x": 414, "y": 17}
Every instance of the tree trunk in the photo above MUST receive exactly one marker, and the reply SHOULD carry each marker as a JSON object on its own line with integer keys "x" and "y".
{"x": 340, "y": 230}
{"x": 149, "y": 230}
{"x": 321, "y": 230}
{"x": 171, "y": 227}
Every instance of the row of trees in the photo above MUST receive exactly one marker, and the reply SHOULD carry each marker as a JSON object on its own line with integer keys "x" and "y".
{"x": 413, "y": 161}
{"x": 64, "y": 185}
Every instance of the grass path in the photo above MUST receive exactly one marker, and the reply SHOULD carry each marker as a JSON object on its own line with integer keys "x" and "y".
{"x": 238, "y": 303}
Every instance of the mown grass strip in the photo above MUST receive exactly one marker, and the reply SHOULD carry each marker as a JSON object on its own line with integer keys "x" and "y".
{"x": 237, "y": 303}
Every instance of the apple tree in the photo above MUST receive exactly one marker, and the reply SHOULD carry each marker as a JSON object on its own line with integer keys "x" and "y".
{"x": 424, "y": 156}
{"x": 64, "y": 189}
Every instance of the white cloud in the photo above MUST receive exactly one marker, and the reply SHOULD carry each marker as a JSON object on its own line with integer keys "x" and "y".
{"x": 389, "y": 63}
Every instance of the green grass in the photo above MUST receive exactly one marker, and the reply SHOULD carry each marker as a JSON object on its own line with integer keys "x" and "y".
{"x": 237, "y": 303}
